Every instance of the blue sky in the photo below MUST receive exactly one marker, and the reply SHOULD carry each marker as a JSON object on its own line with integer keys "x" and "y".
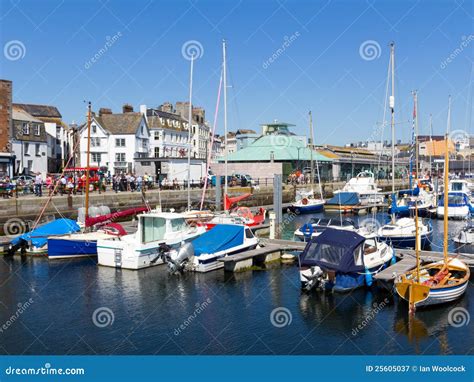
{"x": 321, "y": 68}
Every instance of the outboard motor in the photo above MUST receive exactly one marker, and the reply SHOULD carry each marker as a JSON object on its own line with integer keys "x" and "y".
{"x": 177, "y": 261}
{"x": 311, "y": 277}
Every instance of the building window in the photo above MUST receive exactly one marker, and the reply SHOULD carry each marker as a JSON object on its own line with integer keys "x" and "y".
{"x": 37, "y": 150}
{"x": 27, "y": 147}
{"x": 96, "y": 157}
{"x": 157, "y": 135}
{"x": 95, "y": 142}
{"x": 144, "y": 143}
{"x": 157, "y": 152}
{"x": 120, "y": 157}
{"x": 37, "y": 128}
{"x": 94, "y": 129}
{"x": 119, "y": 142}
{"x": 26, "y": 128}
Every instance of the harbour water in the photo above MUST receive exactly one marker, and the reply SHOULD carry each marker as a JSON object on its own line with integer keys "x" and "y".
{"x": 77, "y": 307}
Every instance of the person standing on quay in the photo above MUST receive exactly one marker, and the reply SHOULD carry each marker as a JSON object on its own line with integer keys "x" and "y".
{"x": 38, "y": 185}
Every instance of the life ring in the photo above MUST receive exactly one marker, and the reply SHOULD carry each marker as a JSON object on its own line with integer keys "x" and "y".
{"x": 304, "y": 201}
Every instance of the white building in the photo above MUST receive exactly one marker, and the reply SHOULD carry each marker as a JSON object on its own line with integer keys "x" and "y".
{"x": 29, "y": 144}
{"x": 57, "y": 133}
{"x": 117, "y": 141}
{"x": 168, "y": 134}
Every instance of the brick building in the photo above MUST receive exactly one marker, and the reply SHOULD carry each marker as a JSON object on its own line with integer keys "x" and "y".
{"x": 6, "y": 155}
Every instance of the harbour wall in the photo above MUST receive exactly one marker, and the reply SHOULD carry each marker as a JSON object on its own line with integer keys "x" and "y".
{"x": 28, "y": 208}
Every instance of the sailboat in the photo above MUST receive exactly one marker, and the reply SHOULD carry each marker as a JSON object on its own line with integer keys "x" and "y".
{"x": 305, "y": 202}
{"x": 401, "y": 233}
{"x": 84, "y": 242}
{"x": 438, "y": 282}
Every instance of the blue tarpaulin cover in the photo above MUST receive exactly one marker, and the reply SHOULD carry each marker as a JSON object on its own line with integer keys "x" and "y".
{"x": 219, "y": 238}
{"x": 344, "y": 199}
{"x": 335, "y": 249}
{"x": 39, "y": 236}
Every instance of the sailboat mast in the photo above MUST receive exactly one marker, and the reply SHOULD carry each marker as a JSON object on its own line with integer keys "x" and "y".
{"x": 431, "y": 142}
{"x": 88, "y": 154}
{"x": 415, "y": 95}
{"x": 190, "y": 123}
{"x": 311, "y": 177}
{"x": 446, "y": 176}
{"x": 392, "y": 112}
{"x": 224, "y": 70}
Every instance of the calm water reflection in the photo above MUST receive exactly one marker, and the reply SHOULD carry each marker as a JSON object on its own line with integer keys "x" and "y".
{"x": 150, "y": 312}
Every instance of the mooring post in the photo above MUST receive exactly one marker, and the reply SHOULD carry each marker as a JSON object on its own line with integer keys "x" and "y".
{"x": 218, "y": 192}
{"x": 277, "y": 204}
{"x": 271, "y": 216}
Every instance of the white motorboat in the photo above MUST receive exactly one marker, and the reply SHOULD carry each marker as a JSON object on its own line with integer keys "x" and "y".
{"x": 459, "y": 206}
{"x": 306, "y": 203}
{"x": 464, "y": 239}
{"x": 401, "y": 233}
{"x": 365, "y": 186}
{"x": 316, "y": 226}
{"x": 203, "y": 253}
{"x": 341, "y": 260}
{"x": 157, "y": 232}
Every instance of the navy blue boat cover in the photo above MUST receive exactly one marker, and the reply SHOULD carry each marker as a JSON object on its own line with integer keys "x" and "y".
{"x": 344, "y": 199}
{"x": 219, "y": 238}
{"x": 39, "y": 236}
{"x": 335, "y": 249}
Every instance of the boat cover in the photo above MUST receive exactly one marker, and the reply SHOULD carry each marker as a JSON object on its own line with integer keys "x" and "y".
{"x": 455, "y": 199}
{"x": 336, "y": 250}
{"x": 344, "y": 199}
{"x": 412, "y": 192}
{"x": 39, "y": 236}
{"x": 219, "y": 238}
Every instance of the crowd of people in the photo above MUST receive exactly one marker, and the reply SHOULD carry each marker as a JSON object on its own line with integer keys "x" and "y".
{"x": 75, "y": 183}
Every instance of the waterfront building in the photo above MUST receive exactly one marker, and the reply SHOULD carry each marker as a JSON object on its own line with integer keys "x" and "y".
{"x": 6, "y": 154}
{"x": 29, "y": 143}
{"x": 59, "y": 141}
{"x": 245, "y": 137}
{"x": 200, "y": 129}
{"x": 118, "y": 141}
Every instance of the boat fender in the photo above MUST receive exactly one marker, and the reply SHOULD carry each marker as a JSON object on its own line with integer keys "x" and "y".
{"x": 394, "y": 258}
{"x": 368, "y": 277}
{"x": 307, "y": 230}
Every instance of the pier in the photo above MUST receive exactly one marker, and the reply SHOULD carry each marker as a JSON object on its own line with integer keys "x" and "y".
{"x": 271, "y": 250}
{"x": 407, "y": 261}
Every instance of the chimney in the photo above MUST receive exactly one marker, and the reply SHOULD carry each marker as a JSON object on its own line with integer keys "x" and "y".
{"x": 143, "y": 111}
{"x": 167, "y": 107}
{"x": 127, "y": 108}
{"x": 104, "y": 110}
{"x": 6, "y": 89}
